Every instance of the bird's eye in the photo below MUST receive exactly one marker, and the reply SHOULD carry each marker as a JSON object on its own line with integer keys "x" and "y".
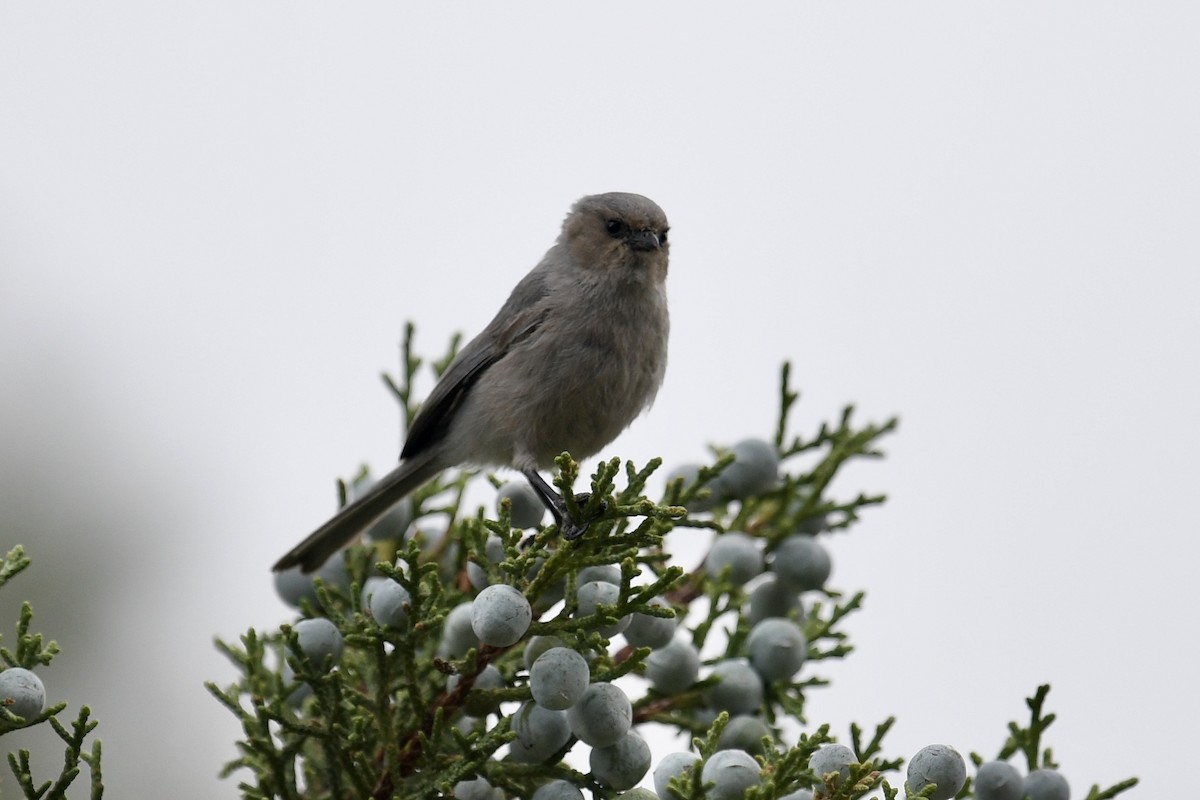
{"x": 615, "y": 228}
{"x": 662, "y": 237}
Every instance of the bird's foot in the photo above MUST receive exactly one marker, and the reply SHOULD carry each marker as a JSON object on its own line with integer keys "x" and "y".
{"x": 572, "y": 528}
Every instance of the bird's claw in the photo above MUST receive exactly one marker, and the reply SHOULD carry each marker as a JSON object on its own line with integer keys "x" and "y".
{"x": 571, "y": 528}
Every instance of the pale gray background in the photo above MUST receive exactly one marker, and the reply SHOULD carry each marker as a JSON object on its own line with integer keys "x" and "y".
{"x": 215, "y": 217}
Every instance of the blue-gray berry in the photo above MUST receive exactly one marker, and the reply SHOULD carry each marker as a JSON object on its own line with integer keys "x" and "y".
{"x": 558, "y": 790}
{"x": 540, "y": 733}
{"x": 558, "y": 678}
{"x": 622, "y": 764}
{"x": 744, "y": 732}
{"x": 704, "y": 717}
{"x": 320, "y": 641}
{"x": 293, "y": 585}
{"x": 799, "y": 794}
{"x": 389, "y": 604}
{"x": 672, "y": 765}
{"x": 1046, "y": 784}
{"x": 940, "y": 764}
{"x": 777, "y": 649}
{"x": 458, "y": 634}
{"x": 368, "y": 588}
{"x": 500, "y": 615}
{"x": 731, "y": 773}
{"x": 602, "y": 716}
{"x": 334, "y": 573}
{"x": 817, "y": 523}
{"x": 801, "y": 563}
{"x": 599, "y": 572}
{"x": 755, "y": 469}
{"x": 737, "y": 552}
{"x": 476, "y": 789}
{"x": 527, "y": 508}
{"x": 649, "y": 631}
{"x": 674, "y": 668}
{"x": 493, "y": 549}
{"x": 593, "y": 594}
{"x": 477, "y": 576}
{"x": 770, "y": 598}
{"x": 739, "y": 689}
{"x": 536, "y": 645}
{"x": 998, "y": 780}
{"x": 22, "y": 693}
{"x": 832, "y": 758}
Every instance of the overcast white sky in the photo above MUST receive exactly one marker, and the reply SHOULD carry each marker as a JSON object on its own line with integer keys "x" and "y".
{"x": 215, "y": 218}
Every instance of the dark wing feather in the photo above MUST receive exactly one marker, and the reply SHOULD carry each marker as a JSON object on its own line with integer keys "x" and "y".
{"x": 522, "y": 314}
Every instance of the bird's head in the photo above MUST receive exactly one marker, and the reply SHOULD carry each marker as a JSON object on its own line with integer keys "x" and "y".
{"x": 619, "y": 231}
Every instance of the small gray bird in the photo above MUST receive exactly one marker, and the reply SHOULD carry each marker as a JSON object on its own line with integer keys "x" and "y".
{"x": 574, "y": 355}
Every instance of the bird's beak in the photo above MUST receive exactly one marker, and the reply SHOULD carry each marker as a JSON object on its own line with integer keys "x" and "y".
{"x": 644, "y": 240}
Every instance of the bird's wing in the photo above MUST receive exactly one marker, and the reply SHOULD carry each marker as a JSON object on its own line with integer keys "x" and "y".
{"x": 523, "y": 313}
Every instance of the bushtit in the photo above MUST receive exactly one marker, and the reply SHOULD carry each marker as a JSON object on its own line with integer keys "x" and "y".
{"x": 577, "y": 351}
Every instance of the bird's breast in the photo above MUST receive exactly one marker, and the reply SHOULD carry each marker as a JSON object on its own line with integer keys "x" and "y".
{"x": 574, "y": 385}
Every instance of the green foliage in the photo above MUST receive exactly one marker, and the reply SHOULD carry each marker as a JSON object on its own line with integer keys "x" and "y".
{"x": 32, "y": 652}
{"x": 1027, "y": 740}
{"x": 384, "y": 723}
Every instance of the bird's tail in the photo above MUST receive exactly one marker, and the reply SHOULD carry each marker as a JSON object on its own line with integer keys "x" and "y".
{"x": 357, "y": 516}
